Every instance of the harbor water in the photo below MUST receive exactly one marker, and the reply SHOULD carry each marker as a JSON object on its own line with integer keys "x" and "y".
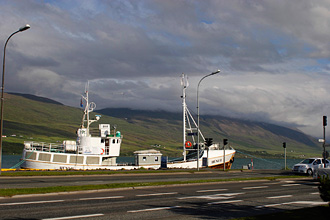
{"x": 9, "y": 161}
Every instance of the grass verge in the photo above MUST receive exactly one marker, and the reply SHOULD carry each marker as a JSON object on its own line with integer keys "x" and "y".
{"x": 21, "y": 191}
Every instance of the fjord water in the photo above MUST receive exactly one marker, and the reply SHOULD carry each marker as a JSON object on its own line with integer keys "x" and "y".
{"x": 258, "y": 163}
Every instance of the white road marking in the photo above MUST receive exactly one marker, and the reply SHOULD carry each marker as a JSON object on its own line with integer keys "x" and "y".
{"x": 50, "y": 201}
{"x": 214, "y": 196}
{"x": 310, "y": 203}
{"x": 271, "y": 183}
{"x": 221, "y": 202}
{"x": 92, "y": 182}
{"x": 278, "y": 197}
{"x": 158, "y": 194}
{"x": 230, "y": 194}
{"x": 270, "y": 205}
{"x": 154, "y": 209}
{"x": 34, "y": 202}
{"x": 95, "y": 198}
{"x": 219, "y": 197}
{"x": 73, "y": 217}
{"x": 295, "y": 202}
{"x": 211, "y": 190}
{"x": 296, "y": 184}
{"x": 255, "y": 187}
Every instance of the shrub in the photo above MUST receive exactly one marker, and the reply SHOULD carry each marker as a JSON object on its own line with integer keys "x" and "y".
{"x": 324, "y": 188}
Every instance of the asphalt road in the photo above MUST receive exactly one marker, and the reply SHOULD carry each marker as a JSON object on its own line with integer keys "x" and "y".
{"x": 225, "y": 200}
{"x": 45, "y": 181}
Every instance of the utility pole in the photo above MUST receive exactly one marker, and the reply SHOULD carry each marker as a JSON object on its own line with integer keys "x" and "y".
{"x": 24, "y": 28}
{"x": 324, "y": 125}
{"x": 225, "y": 142}
{"x": 284, "y": 146}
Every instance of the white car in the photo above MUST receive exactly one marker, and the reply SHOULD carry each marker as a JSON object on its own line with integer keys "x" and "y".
{"x": 308, "y": 166}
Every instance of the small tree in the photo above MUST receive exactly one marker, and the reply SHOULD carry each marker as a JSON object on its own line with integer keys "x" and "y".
{"x": 324, "y": 188}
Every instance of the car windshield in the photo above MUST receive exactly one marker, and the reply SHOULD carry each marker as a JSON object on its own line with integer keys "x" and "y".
{"x": 307, "y": 161}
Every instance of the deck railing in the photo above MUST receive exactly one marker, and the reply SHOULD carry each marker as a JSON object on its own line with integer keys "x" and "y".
{"x": 45, "y": 147}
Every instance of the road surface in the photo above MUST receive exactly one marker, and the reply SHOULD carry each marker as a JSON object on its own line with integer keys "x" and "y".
{"x": 46, "y": 181}
{"x": 225, "y": 200}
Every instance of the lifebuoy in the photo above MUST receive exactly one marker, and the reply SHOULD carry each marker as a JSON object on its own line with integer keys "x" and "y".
{"x": 102, "y": 151}
{"x": 188, "y": 144}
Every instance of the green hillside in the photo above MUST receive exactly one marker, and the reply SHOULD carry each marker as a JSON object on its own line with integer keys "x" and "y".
{"x": 33, "y": 119}
{"x": 256, "y": 138}
{"x": 26, "y": 119}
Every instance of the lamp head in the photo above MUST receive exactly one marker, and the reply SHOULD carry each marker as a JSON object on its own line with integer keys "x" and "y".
{"x": 24, "y": 28}
{"x": 218, "y": 71}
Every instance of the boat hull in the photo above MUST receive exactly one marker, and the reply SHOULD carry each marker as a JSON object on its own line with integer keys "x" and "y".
{"x": 63, "y": 161}
{"x": 212, "y": 158}
{"x": 47, "y": 161}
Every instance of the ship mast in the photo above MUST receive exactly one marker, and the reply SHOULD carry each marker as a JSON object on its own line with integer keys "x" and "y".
{"x": 189, "y": 124}
{"x": 89, "y": 107}
{"x": 184, "y": 83}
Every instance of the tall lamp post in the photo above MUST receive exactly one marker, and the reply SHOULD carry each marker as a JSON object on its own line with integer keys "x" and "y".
{"x": 218, "y": 71}
{"x": 24, "y": 28}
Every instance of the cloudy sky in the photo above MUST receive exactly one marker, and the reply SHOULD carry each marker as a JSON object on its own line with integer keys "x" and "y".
{"x": 273, "y": 55}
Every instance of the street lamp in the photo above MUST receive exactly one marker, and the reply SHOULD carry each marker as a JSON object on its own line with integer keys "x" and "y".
{"x": 218, "y": 71}
{"x": 24, "y": 28}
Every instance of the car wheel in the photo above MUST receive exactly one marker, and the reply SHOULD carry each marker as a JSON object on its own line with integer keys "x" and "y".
{"x": 310, "y": 172}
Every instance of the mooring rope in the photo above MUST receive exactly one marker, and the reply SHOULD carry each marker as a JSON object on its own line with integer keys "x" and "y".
{"x": 22, "y": 161}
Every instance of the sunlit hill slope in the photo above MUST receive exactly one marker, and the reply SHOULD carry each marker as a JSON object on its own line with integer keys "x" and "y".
{"x": 32, "y": 118}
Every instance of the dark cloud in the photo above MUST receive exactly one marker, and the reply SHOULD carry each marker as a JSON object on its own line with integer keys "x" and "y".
{"x": 273, "y": 55}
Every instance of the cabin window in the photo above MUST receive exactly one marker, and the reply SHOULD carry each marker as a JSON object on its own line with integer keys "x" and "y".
{"x": 113, "y": 141}
{"x": 102, "y": 140}
{"x": 156, "y": 158}
{"x": 106, "y": 150}
{"x": 144, "y": 158}
{"x": 106, "y": 142}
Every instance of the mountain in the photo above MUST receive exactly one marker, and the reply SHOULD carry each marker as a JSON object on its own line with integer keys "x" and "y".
{"x": 36, "y": 118}
{"x": 257, "y": 138}
{"x": 37, "y": 98}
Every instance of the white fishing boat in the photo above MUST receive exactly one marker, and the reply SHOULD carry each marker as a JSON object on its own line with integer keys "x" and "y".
{"x": 213, "y": 156}
{"x": 87, "y": 152}
{"x": 90, "y": 152}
